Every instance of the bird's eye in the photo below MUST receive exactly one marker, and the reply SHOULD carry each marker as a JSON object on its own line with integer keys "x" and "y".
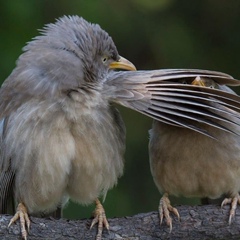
{"x": 104, "y": 59}
{"x": 184, "y": 81}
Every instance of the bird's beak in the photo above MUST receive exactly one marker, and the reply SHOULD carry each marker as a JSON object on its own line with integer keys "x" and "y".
{"x": 198, "y": 82}
{"x": 122, "y": 63}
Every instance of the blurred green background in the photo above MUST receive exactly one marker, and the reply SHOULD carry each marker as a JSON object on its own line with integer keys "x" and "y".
{"x": 152, "y": 34}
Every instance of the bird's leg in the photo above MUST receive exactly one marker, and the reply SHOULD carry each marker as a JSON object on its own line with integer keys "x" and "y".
{"x": 234, "y": 200}
{"x": 164, "y": 208}
{"x": 24, "y": 220}
{"x": 100, "y": 218}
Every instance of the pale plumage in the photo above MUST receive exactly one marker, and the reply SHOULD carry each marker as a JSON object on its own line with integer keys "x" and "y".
{"x": 60, "y": 136}
{"x": 187, "y": 163}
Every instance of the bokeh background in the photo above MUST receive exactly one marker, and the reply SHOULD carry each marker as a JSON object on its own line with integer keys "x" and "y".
{"x": 152, "y": 34}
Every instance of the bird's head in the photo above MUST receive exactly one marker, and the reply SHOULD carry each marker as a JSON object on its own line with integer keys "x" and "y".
{"x": 69, "y": 53}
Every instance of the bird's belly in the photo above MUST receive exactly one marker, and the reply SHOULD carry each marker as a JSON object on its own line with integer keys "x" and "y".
{"x": 81, "y": 170}
{"x": 98, "y": 161}
{"x": 193, "y": 165}
{"x": 201, "y": 180}
{"x": 44, "y": 167}
{"x": 55, "y": 158}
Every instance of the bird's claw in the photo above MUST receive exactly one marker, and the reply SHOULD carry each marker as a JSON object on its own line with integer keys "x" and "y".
{"x": 100, "y": 218}
{"x": 234, "y": 201}
{"x": 24, "y": 220}
{"x": 164, "y": 211}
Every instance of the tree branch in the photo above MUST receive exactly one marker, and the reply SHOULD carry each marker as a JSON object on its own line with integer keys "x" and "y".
{"x": 197, "y": 222}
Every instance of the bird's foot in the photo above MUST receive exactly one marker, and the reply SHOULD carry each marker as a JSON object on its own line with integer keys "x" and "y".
{"x": 165, "y": 208}
{"x": 234, "y": 201}
{"x": 24, "y": 220}
{"x": 100, "y": 218}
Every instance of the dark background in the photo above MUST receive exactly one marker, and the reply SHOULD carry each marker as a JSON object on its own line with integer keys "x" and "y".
{"x": 152, "y": 34}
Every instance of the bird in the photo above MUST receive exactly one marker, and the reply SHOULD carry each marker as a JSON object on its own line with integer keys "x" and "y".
{"x": 61, "y": 136}
{"x": 190, "y": 164}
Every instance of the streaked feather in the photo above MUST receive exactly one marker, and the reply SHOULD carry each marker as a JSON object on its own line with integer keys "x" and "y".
{"x": 164, "y": 96}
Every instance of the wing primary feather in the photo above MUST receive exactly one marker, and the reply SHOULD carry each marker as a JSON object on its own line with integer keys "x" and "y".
{"x": 6, "y": 191}
{"x": 195, "y": 118}
{"x": 176, "y": 102}
{"x": 229, "y": 102}
{"x": 170, "y": 120}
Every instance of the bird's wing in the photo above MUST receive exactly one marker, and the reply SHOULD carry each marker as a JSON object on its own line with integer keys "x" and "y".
{"x": 6, "y": 177}
{"x": 6, "y": 191}
{"x": 166, "y": 96}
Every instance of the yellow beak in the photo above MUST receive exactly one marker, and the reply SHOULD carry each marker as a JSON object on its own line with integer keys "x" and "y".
{"x": 122, "y": 63}
{"x": 204, "y": 82}
{"x": 198, "y": 82}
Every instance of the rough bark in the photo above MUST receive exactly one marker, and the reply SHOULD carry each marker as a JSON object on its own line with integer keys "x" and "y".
{"x": 197, "y": 222}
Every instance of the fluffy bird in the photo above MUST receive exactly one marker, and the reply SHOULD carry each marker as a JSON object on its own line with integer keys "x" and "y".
{"x": 60, "y": 135}
{"x": 186, "y": 163}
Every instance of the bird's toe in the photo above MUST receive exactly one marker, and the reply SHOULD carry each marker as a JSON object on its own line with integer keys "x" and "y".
{"x": 100, "y": 218}
{"x": 165, "y": 208}
{"x": 234, "y": 200}
{"x": 22, "y": 215}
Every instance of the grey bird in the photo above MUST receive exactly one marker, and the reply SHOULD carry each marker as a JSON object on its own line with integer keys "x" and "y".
{"x": 187, "y": 163}
{"x": 60, "y": 135}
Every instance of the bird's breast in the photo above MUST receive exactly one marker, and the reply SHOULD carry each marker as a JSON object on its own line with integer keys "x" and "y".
{"x": 99, "y": 149}
{"x": 190, "y": 164}
{"x": 58, "y": 152}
